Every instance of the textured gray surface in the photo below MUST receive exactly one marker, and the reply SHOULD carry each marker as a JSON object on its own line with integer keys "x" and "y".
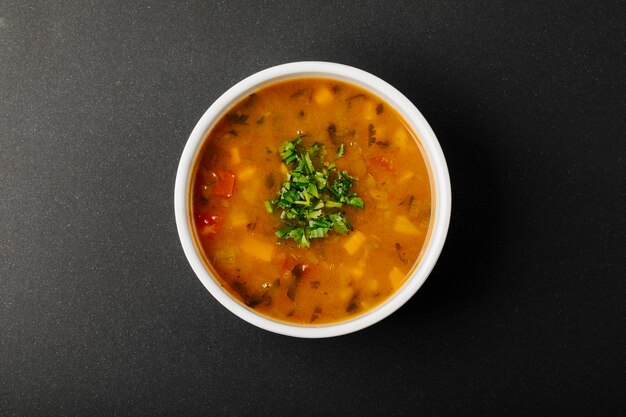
{"x": 101, "y": 314}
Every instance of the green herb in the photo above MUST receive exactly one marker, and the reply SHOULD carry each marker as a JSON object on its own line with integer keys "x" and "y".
{"x": 311, "y": 199}
{"x": 339, "y": 151}
{"x": 356, "y": 202}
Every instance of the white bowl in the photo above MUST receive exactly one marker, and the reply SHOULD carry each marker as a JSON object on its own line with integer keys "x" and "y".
{"x": 440, "y": 184}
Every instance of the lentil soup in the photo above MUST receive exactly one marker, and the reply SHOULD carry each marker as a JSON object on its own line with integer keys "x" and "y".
{"x": 311, "y": 201}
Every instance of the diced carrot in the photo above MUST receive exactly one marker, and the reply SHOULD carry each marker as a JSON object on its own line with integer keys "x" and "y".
{"x": 225, "y": 183}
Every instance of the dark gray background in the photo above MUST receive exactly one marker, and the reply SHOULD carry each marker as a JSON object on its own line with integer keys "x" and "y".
{"x": 100, "y": 313}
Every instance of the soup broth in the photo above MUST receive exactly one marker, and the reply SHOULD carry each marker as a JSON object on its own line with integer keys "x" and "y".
{"x": 240, "y": 167}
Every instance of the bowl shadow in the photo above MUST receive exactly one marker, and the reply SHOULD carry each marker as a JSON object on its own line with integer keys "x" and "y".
{"x": 466, "y": 135}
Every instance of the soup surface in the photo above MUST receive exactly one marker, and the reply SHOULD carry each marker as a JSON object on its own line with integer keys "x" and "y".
{"x": 240, "y": 173}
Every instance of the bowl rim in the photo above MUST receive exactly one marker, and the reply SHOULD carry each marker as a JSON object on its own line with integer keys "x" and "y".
{"x": 434, "y": 156}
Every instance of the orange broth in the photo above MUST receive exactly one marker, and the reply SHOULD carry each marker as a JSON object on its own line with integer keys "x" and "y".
{"x": 239, "y": 167}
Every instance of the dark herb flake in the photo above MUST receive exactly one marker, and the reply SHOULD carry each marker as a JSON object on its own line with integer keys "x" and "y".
{"x": 238, "y": 119}
{"x": 250, "y": 100}
{"x": 354, "y": 303}
{"x": 337, "y": 137}
{"x": 292, "y": 285}
{"x": 401, "y": 254}
{"x": 316, "y": 312}
{"x": 303, "y": 92}
{"x": 371, "y": 135}
{"x": 361, "y": 95}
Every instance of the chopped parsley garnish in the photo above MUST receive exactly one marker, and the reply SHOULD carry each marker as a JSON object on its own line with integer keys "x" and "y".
{"x": 311, "y": 199}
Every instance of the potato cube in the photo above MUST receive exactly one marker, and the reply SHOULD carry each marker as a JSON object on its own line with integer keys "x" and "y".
{"x": 403, "y": 225}
{"x": 405, "y": 177}
{"x": 346, "y": 293}
{"x": 246, "y": 174}
{"x": 235, "y": 157}
{"x": 401, "y": 138}
{"x": 354, "y": 242}
{"x": 371, "y": 284}
{"x": 369, "y": 110}
{"x": 237, "y": 219}
{"x": 322, "y": 96}
{"x": 396, "y": 277}
{"x": 357, "y": 273}
{"x": 257, "y": 248}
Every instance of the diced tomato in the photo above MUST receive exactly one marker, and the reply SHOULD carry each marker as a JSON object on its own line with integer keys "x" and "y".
{"x": 206, "y": 218}
{"x": 207, "y": 224}
{"x": 225, "y": 183}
